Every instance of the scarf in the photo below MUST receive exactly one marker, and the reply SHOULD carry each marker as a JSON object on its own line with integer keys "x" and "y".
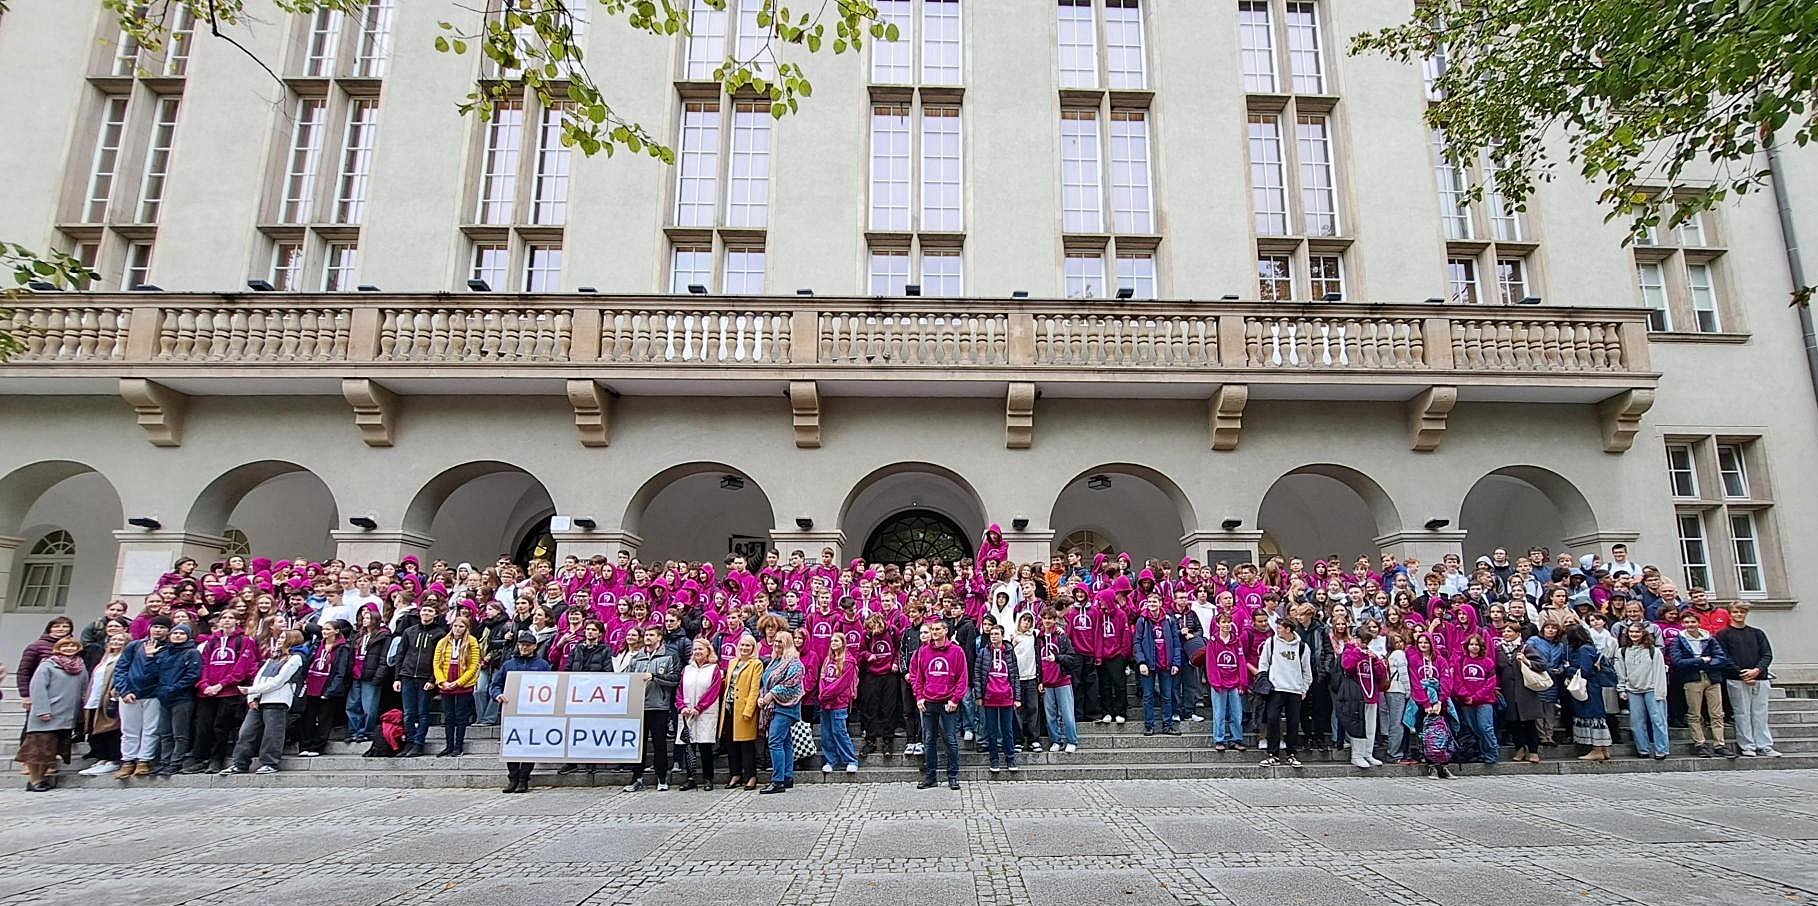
{"x": 70, "y": 664}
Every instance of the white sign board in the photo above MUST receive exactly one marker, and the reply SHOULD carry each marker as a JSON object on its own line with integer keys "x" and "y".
{"x": 573, "y": 717}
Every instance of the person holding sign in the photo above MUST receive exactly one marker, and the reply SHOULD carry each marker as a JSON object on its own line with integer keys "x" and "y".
{"x": 661, "y": 676}
{"x": 781, "y": 693}
{"x": 526, "y": 660}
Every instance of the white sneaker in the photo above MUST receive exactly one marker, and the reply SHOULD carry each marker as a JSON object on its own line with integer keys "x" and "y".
{"x": 1105, "y": 720}
{"x": 99, "y": 768}
{"x": 852, "y": 769}
{"x": 1120, "y": 720}
{"x": 1374, "y": 761}
{"x": 1197, "y": 719}
{"x": 1769, "y": 752}
{"x": 1071, "y": 748}
{"x": 1054, "y": 748}
{"x": 1361, "y": 762}
{"x": 968, "y": 736}
{"x": 662, "y": 787}
{"x": 266, "y": 769}
{"x": 826, "y": 769}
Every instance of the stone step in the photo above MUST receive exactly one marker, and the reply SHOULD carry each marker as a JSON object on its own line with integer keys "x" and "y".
{"x": 482, "y": 776}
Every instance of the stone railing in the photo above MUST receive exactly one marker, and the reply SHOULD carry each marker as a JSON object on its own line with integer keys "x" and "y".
{"x": 797, "y": 337}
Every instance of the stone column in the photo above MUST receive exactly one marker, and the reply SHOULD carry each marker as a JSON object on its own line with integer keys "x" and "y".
{"x": 585, "y": 544}
{"x": 810, "y": 542}
{"x": 144, "y": 556}
{"x": 1233, "y": 547}
{"x": 9, "y": 550}
{"x": 1030, "y": 545}
{"x": 1598, "y": 542}
{"x": 1429, "y": 547}
{"x": 362, "y": 547}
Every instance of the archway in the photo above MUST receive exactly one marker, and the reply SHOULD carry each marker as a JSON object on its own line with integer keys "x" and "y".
{"x": 280, "y": 509}
{"x": 1323, "y": 509}
{"x": 700, "y": 511}
{"x": 1518, "y": 507}
{"x": 1138, "y": 508}
{"x": 917, "y": 535}
{"x": 907, "y": 486}
{"x": 48, "y": 502}
{"x": 477, "y": 511}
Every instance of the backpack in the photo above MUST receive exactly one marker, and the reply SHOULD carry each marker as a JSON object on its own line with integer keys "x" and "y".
{"x": 1436, "y": 740}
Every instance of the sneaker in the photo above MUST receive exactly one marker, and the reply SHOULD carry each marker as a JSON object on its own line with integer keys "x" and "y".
{"x": 266, "y": 769}
{"x": 1269, "y": 761}
{"x": 925, "y": 785}
{"x": 1703, "y": 750}
{"x": 1197, "y": 719}
{"x": 1293, "y": 762}
{"x": 1148, "y": 731}
{"x": 1731, "y": 751}
{"x": 968, "y": 736}
{"x": 636, "y": 786}
{"x": 953, "y": 783}
{"x": 852, "y": 768}
{"x": 826, "y": 768}
{"x": 1747, "y": 753}
{"x": 662, "y": 786}
{"x": 1769, "y": 752}
{"x": 1071, "y": 748}
{"x": 1035, "y": 747}
{"x": 100, "y": 768}
{"x": 1106, "y": 719}
{"x": 1218, "y": 747}
{"x": 312, "y": 753}
{"x": 994, "y": 769}
{"x": 1053, "y": 748}
{"x": 1171, "y": 729}
{"x": 1120, "y": 718}
{"x": 231, "y": 769}
{"x": 1373, "y": 760}
{"x": 1012, "y": 767}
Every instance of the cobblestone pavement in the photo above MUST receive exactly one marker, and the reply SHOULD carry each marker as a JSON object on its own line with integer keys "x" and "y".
{"x": 1680, "y": 839}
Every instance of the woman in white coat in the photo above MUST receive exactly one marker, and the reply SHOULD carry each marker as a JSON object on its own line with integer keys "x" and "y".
{"x": 697, "y": 707}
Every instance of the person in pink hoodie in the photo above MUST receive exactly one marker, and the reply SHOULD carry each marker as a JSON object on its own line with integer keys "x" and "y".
{"x": 1228, "y": 676}
{"x": 939, "y": 677}
{"x": 1082, "y": 631}
{"x": 229, "y": 659}
{"x": 993, "y": 546}
{"x": 1111, "y": 624}
{"x": 1366, "y": 678}
{"x": 1474, "y": 691}
{"x": 836, "y": 686}
{"x": 996, "y": 687}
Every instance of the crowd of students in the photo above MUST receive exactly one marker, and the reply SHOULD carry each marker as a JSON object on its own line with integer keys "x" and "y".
{"x": 761, "y": 665}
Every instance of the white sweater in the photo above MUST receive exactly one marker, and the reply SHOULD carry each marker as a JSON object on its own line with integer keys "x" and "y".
{"x": 1290, "y": 664}
{"x": 1641, "y": 669}
{"x": 276, "y": 688}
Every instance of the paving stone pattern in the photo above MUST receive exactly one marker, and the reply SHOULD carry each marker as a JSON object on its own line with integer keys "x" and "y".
{"x": 1619, "y": 840}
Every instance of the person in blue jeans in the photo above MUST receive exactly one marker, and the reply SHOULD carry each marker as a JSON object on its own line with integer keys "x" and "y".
{"x": 371, "y": 644}
{"x": 781, "y": 690}
{"x": 1641, "y": 680}
{"x": 995, "y": 684}
{"x": 836, "y": 688}
{"x": 1056, "y": 663}
{"x": 1158, "y": 660}
{"x": 416, "y": 676}
{"x": 940, "y": 676}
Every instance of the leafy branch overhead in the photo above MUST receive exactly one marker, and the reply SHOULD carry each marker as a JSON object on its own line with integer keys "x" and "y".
{"x": 1669, "y": 105}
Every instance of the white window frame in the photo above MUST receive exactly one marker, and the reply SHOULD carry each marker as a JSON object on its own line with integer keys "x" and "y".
{"x": 946, "y": 279}
{"x": 137, "y": 271}
{"x": 1268, "y": 175}
{"x": 498, "y": 196}
{"x": 1083, "y": 275}
{"x": 893, "y": 62}
{"x": 287, "y": 261}
{"x": 357, "y": 146}
{"x": 1126, "y": 63}
{"x": 1654, "y": 294}
{"x": 340, "y": 267}
{"x": 1306, "y": 49}
{"x": 322, "y": 43}
{"x": 1701, "y": 292}
{"x": 745, "y": 270}
{"x": 46, "y": 573}
{"x": 1690, "y": 471}
{"x": 554, "y": 169}
{"x": 1318, "y": 175}
{"x": 1745, "y": 544}
{"x": 754, "y": 44}
{"x": 1697, "y": 568}
{"x": 697, "y": 171}
{"x": 179, "y": 41}
{"x": 887, "y": 271}
{"x": 374, "y": 48}
{"x": 304, "y": 160}
{"x": 1453, "y": 184}
{"x": 1077, "y": 31}
{"x": 1462, "y": 279}
{"x": 748, "y": 179}
{"x": 1136, "y": 272}
{"x": 1317, "y": 284}
{"x": 1512, "y": 279}
{"x": 1269, "y": 285}
{"x": 690, "y": 263}
{"x": 891, "y": 180}
{"x": 110, "y": 141}
{"x": 543, "y": 267}
{"x": 943, "y": 50}
{"x": 706, "y": 43}
{"x": 1256, "y": 79}
{"x": 943, "y": 169}
{"x": 157, "y": 157}
{"x": 1732, "y": 468}
{"x": 1132, "y": 190}
{"x": 1082, "y": 163}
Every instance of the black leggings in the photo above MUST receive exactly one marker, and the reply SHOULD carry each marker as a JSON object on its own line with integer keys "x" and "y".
{"x": 1524, "y": 735}
{"x": 1282, "y": 705}
{"x": 741, "y": 759}
{"x": 703, "y": 756}
{"x": 1113, "y": 687}
{"x": 880, "y": 707}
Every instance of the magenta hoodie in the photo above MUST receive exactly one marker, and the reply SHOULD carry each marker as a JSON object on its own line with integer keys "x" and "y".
{"x": 1047, "y": 651}
{"x": 997, "y": 666}
{"x": 1227, "y": 662}
{"x": 1113, "y": 626}
{"x": 1420, "y": 670}
{"x": 228, "y": 661}
{"x": 988, "y": 550}
{"x": 938, "y": 673}
{"x": 1370, "y": 671}
{"x": 880, "y": 653}
{"x": 1082, "y": 631}
{"x": 1474, "y": 678}
{"x": 837, "y": 688}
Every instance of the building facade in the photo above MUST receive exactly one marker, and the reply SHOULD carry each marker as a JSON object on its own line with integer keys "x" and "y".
{"x": 1160, "y": 276}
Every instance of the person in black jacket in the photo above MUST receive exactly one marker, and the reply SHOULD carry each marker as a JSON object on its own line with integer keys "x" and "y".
{"x": 416, "y": 676}
{"x": 906, "y": 644}
{"x": 590, "y": 655}
{"x": 327, "y": 680}
{"x": 177, "y": 676}
{"x": 495, "y": 632}
{"x": 371, "y": 673}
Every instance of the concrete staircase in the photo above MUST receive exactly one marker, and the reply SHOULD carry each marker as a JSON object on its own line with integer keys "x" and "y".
{"x": 1107, "y": 752}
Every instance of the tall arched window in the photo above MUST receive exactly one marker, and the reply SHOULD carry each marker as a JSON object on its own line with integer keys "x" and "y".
{"x": 46, "y": 572}
{"x": 1088, "y": 543}
{"x": 914, "y": 534}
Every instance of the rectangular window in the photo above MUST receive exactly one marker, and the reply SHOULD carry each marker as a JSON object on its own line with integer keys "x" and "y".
{"x": 1304, "y": 54}
{"x": 1512, "y": 279}
{"x": 341, "y": 268}
{"x": 491, "y": 262}
{"x": 890, "y": 167}
{"x": 302, "y": 161}
{"x": 543, "y": 269}
{"x": 1505, "y": 221}
{"x": 943, "y": 273}
{"x": 138, "y": 266}
{"x": 1137, "y": 273}
{"x": 942, "y": 170}
{"x": 698, "y": 165}
{"x": 356, "y": 160}
{"x": 1731, "y": 469}
{"x": 324, "y": 41}
{"x": 892, "y": 62}
{"x": 1078, "y": 45}
{"x": 1462, "y": 274}
{"x": 1452, "y": 188}
{"x": 1274, "y": 278}
{"x": 157, "y": 159}
{"x": 753, "y": 40}
{"x": 180, "y": 41}
{"x": 1268, "y": 180}
{"x": 1691, "y": 232}
{"x": 1132, "y": 204}
{"x": 940, "y": 42}
{"x": 375, "y": 39}
{"x": 1327, "y": 276}
{"x": 745, "y": 271}
{"x": 889, "y": 271}
{"x": 1256, "y": 37}
{"x": 1083, "y": 275}
{"x": 287, "y": 266}
{"x": 107, "y": 159}
{"x": 1693, "y": 552}
{"x": 126, "y": 49}
{"x": 707, "y": 39}
{"x": 692, "y": 265}
{"x": 1680, "y": 472}
{"x": 1082, "y": 195}
{"x": 554, "y": 164}
{"x": 1433, "y": 68}
{"x": 499, "y": 170}
{"x": 748, "y": 185}
{"x": 1704, "y": 297}
{"x": 1747, "y": 545}
{"x": 1652, "y": 281}
{"x": 1318, "y": 190}
{"x": 1124, "y": 63}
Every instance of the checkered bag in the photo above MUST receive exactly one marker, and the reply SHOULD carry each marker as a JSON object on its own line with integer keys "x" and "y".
{"x": 804, "y": 740}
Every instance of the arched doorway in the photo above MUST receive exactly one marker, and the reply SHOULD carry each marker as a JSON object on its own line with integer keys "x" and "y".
{"x": 1519, "y": 507}
{"x": 1138, "y": 508}
{"x": 912, "y": 487}
{"x": 1321, "y": 510}
{"x": 538, "y": 543}
{"x": 917, "y": 535}
{"x": 277, "y": 508}
{"x": 478, "y": 511}
{"x": 700, "y": 511}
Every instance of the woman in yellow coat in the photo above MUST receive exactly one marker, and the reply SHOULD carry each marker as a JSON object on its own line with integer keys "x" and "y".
{"x": 457, "y": 673}
{"x": 743, "y": 678}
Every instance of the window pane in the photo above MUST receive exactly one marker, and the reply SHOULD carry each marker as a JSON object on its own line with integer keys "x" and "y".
{"x": 157, "y": 159}
{"x": 1505, "y": 221}
{"x": 1652, "y": 280}
{"x": 1680, "y": 471}
{"x": 1692, "y": 551}
{"x": 490, "y": 263}
{"x": 748, "y": 186}
{"x": 1256, "y": 36}
{"x": 889, "y": 271}
{"x": 754, "y": 41}
{"x": 1268, "y": 188}
{"x": 1081, "y": 192}
{"x": 305, "y": 153}
{"x": 1131, "y": 199}
{"x": 356, "y": 161}
{"x": 126, "y": 51}
{"x": 1274, "y": 278}
{"x": 1691, "y": 232}
{"x": 1084, "y": 275}
{"x": 287, "y": 266}
{"x": 1124, "y": 63}
{"x": 1704, "y": 297}
{"x": 942, "y": 169}
{"x": 1327, "y": 276}
{"x": 108, "y": 137}
{"x": 707, "y": 39}
{"x": 942, "y": 273}
{"x": 1078, "y": 45}
{"x": 692, "y": 265}
{"x": 1452, "y": 188}
{"x": 745, "y": 271}
{"x": 1462, "y": 272}
{"x": 890, "y": 167}
{"x": 1749, "y": 578}
{"x": 1318, "y": 191}
{"x": 543, "y": 269}
{"x": 1512, "y": 280}
{"x": 499, "y": 174}
{"x": 1304, "y": 56}
{"x": 1735, "y": 475}
{"x": 1137, "y": 271}
{"x": 698, "y": 165}
{"x": 180, "y": 41}
{"x": 375, "y": 39}
{"x": 554, "y": 164}
{"x": 138, "y": 266}
{"x": 940, "y": 42}
{"x": 340, "y": 272}
{"x": 324, "y": 41}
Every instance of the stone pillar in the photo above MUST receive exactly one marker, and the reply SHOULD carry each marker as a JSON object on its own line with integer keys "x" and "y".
{"x": 1030, "y": 545}
{"x": 585, "y": 544}
{"x": 9, "y": 551}
{"x": 1233, "y": 547}
{"x": 355, "y": 546}
{"x": 1429, "y": 547}
{"x": 1598, "y": 542}
{"x": 144, "y": 556}
{"x": 810, "y": 543}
